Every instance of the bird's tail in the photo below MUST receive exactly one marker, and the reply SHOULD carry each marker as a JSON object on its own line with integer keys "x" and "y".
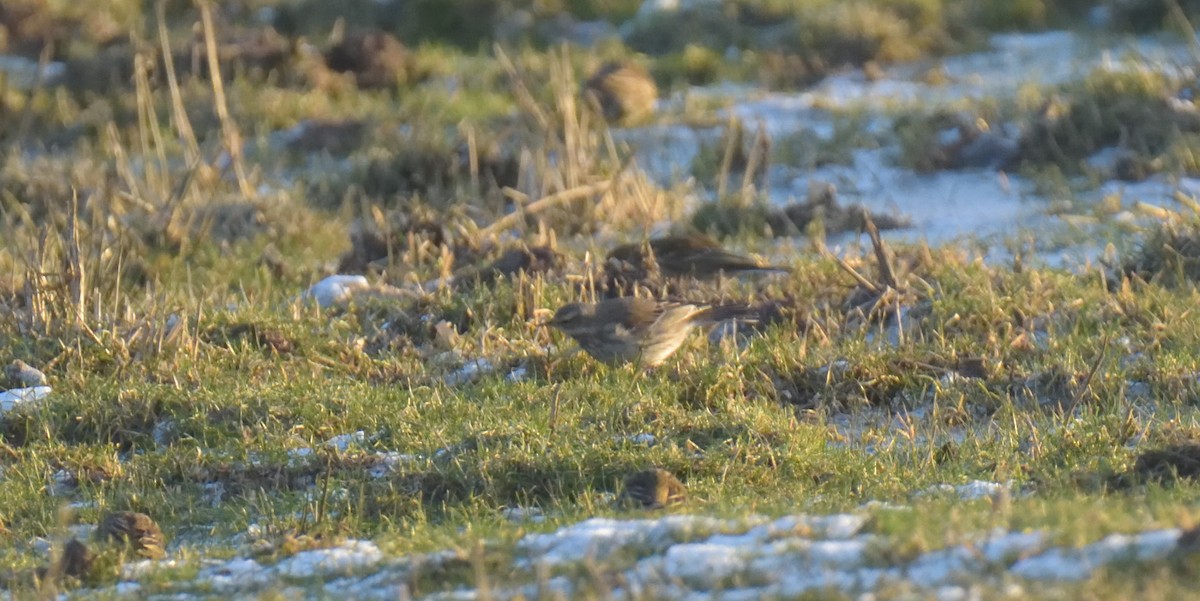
{"x": 723, "y": 260}
{"x": 741, "y": 312}
{"x": 774, "y": 268}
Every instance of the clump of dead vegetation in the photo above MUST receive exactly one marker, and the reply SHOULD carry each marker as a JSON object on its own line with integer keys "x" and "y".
{"x": 1170, "y": 252}
{"x": 1132, "y": 108}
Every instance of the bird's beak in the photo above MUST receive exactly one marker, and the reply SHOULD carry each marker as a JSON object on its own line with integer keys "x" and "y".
{"x": 543, "y": 317}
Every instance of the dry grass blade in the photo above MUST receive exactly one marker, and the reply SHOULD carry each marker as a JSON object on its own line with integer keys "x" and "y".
{"x": 179, "y": 116}
{"x": 858, "y": 277}
{"x": 731, "y": 143}
{"x": 1087, "y": 379}
{"x": 229, "y": 129}
{"x": 1188, "y": 202}
{"x": 39, "y": 84}
{"x": 524, "y": 98}
{"x": 757, "y": 160}
{"x": 886, "y": 274}
{"x": 541, "y": 204}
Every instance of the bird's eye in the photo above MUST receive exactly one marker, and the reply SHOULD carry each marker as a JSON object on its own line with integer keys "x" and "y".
{"x": 567, "y": 314}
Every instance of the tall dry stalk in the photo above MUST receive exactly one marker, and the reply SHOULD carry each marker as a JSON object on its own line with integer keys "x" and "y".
{"x": 581, "y": 181}
{"x": 229, "y": 129}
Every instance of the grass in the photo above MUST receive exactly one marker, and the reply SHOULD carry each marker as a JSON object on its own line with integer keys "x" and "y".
{"x": 162, "y": 300}
{"x": 748, "y": 430}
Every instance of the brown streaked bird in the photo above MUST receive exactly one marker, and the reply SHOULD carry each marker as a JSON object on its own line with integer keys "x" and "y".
{"x": 687, "y": 255}
{"x": 530, "y": 259}
{"x": 20, "y": 373}
{"x": 654, "y": 488}
{"x": 625, "y": 92}
{"x": 637, "y": 330}
{"x": 136, "y": 530}
{"x": 75, "y": 561}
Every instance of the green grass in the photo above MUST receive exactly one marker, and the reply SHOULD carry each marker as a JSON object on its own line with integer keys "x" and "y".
{"x": 749, "y": 430}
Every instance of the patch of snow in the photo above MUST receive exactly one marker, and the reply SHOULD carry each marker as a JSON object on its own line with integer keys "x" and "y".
{"x": 299, "y": 456}
{"x": 1078, "y": 564}
{"x": 979, "y": 202}
{"x": 388, "y": 461}
{"x": 877, "y": 505}
{"x": 1003, "y": 547}
{"x": 14, "y": 397}
{"x": 642, "y": 439}
{"x": 214, "y": 493}
{"x": 350, "y": 557}
{"x": 691, "y": 557}
{"x": 700, "y": 565}
{"x": 600, "y": 537}
{"x": 336, "y": 290}
{"x": 343, "y": 442}
{"x": 974, "y": 490}
{"x": 523, "y": 514}
{"x": 469, "y": 372}
{"x": 142, "y": 568}
{"x": 518, "y": 374}
{"x": 979, "y": 489}
{"x": 22, "y": 73}
{"x": 164, "y": 433}
{"x": 650, "y": 8}
{"x": 235, "y": 575}
{"x": 127, "y": 589}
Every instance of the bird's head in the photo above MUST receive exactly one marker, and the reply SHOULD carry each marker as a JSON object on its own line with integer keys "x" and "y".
{"x": 570, "y": 317}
